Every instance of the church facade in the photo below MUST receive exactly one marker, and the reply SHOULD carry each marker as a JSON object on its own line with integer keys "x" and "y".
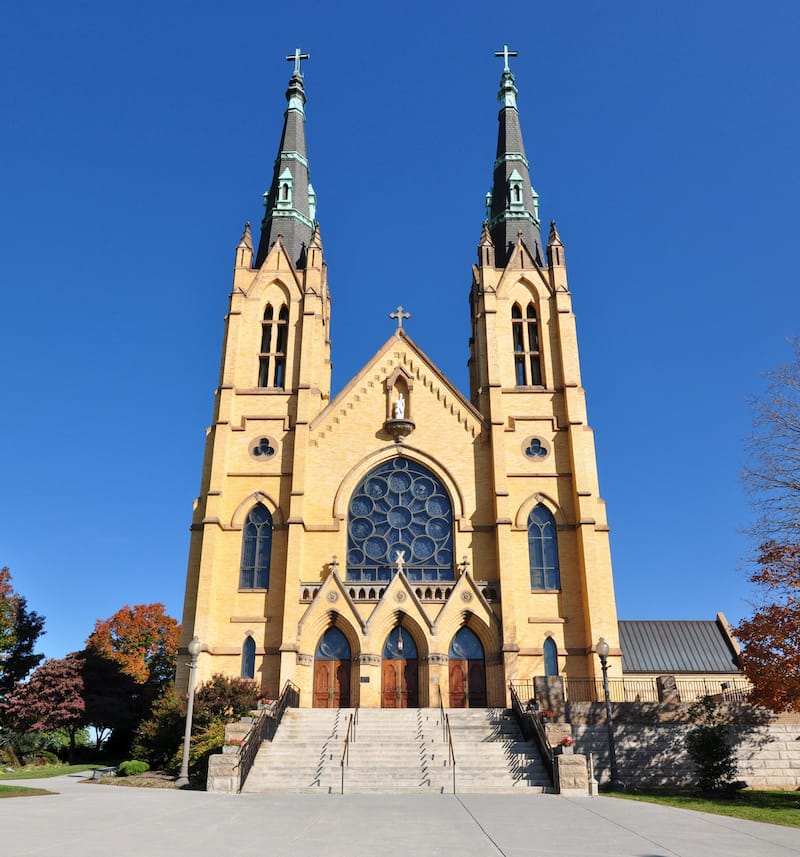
{"x": 400, "y": 543}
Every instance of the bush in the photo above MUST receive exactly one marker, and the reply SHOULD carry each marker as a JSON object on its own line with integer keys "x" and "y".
{"x": 131, "y": 768}
{"x": 218, "y": 701}
{"x": 709, "y": 747}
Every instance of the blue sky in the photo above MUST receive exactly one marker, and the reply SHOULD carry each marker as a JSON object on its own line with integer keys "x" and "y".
{"x": 139, "y": 137}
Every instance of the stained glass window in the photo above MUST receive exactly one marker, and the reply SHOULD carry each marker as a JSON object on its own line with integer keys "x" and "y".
{"x": 249, "y": 658}
{"x": 550, "y": 657}
{"x": 391, "y": 648}
{"x": 400, "y": 506}
{"x": 543, "y": 549}
{"x": 256, "y": 548}
{"x": 466, "y": 646}
{"x": 333, "y": 646}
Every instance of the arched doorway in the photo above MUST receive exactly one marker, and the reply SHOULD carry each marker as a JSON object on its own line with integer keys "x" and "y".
{"x": 467, "y": 671}
{"x": 332, "y": 671}
{"x": 399, "y": 671}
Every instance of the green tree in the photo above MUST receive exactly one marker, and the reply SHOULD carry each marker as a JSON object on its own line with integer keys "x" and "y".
{"x": 20, "y": 628}
{"x": 709, "y": 746}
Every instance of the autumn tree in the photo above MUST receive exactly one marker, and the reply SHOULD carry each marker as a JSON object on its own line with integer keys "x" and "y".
{"x": 771, "y": 636}
{"x": 52, "y": 698}
{"x": 143, "y": 640}
{"x": 20, "y": 628}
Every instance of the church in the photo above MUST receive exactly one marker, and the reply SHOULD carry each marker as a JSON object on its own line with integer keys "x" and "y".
{"x": 401, "y": 543}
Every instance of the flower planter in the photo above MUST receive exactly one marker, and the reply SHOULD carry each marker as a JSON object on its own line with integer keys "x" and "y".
{"x": 230, "y": 749}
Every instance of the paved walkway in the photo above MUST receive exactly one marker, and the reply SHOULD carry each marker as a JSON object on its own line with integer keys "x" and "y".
{"x": 95, "y": 821}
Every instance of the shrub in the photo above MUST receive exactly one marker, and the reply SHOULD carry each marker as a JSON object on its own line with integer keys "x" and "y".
{"x": 158, "y": 737}
{"x": 709, "y": 747}
{"x": 131, "y": 768}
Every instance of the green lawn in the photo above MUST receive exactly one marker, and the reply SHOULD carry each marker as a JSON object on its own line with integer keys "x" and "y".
{"x": 21, "y": 791}
{"x": 40, "y": 771}
{"x": 772, "y": 807}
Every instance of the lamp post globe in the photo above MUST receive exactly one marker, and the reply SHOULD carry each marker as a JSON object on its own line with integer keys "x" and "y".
{"x": 194, "y": 648}
{"x": 602, "y": 649}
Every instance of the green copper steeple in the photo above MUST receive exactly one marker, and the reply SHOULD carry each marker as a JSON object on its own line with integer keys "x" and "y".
{"x": 512, "y": 204}
{"x": 290, "y": 201}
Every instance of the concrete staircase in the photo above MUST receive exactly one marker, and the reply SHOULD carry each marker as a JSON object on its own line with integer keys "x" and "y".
{"x": 397, "y": 751}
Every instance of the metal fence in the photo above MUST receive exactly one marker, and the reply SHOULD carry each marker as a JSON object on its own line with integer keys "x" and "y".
{"x": 642, "y": 689}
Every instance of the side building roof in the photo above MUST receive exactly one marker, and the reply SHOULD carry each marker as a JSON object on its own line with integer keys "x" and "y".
{"x": 677, "y": 646}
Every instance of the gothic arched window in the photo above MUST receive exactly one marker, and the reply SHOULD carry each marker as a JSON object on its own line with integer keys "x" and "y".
{"x": 543, "y": 549}
{"x": 550, "y": 657}
{"x": 272, "y": 357}
{"x": 527, "y": 357}
{"x": 256, "y": 548}
{"x": 249, "y": 658}
{"x": 400, "y": 507}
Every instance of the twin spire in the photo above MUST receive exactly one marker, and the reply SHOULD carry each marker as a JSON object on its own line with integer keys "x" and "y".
{"x": 290, "y": 201}
{"x": 512, "y": 205}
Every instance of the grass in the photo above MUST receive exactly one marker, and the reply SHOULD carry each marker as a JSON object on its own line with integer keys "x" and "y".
{"x": 772, "y": 807}
{"x": 21, "y": 791}
{"x": 35, "y": 772}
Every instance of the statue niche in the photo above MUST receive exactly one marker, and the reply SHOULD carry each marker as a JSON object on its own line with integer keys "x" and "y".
{"x": 398, "y": 423}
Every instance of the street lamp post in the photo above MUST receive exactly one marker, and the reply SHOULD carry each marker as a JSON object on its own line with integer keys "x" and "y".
{"x": 194, "y": 647}
{"x": 616, "y": 784}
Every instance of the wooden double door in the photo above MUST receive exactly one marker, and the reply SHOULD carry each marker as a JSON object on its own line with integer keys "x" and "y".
{"x": 331, "y": 684}
{"x": 399, "y": 683}
{"x": 467, "y": 683}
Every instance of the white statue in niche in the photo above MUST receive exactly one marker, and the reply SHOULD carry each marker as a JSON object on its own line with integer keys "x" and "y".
{"x": 400, "y": 407}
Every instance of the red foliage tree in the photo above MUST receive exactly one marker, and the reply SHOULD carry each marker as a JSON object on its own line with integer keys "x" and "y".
{"x": 51, "y": 699}
{"x": 142, "y": 639}
{"x": 771, "y": 636}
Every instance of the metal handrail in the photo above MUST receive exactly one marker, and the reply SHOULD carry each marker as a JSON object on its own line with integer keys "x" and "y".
{"x": 530, "y": 722}
{"x": 451, "y": 753}
{"x": 265, "y": 727}
{"x": 346, "y": 749}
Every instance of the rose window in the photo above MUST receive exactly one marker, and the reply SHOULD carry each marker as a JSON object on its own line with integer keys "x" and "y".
{"x": 400, "y": 507}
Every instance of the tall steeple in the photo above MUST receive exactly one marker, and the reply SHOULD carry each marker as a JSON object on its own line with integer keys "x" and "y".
{"x": 512, "y": 204}
{"x": 290, "y": 201}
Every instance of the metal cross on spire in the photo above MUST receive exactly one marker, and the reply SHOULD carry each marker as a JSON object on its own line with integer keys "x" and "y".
{"x": 505, "y": 54}
{"x": 399, "y": 315}
{"x": 297, "y": 57}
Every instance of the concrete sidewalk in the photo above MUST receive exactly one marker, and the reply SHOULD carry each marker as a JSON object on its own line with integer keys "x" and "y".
{"x": 93, "y": 820}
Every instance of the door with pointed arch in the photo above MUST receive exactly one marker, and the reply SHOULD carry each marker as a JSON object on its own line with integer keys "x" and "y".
{"x": 332, "y": 671}
{"x": 399, "y": 671}
{"x": 467, "y": 671}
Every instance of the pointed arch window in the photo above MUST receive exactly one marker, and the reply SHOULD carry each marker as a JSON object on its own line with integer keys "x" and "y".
{"x": 543, "y": 549}
{"x": 550, "y": 657}
{"x": 272, "y": 357}
{"x": 249, "y": 658}
{"x": 527, "y": 356}
{"x": 256, "y": 549}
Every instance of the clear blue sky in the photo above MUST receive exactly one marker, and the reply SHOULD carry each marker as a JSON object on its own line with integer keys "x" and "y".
{"x": 138, "y": 138}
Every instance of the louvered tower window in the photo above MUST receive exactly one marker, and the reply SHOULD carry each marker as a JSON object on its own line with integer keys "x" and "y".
{"x": 527, "y": 358}
{"x": 272, "y": 357}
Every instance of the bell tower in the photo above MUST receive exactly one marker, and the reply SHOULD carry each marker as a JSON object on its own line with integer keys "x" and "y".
{"x": 552, "y": 545}
{"x": 274, "y": 379}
